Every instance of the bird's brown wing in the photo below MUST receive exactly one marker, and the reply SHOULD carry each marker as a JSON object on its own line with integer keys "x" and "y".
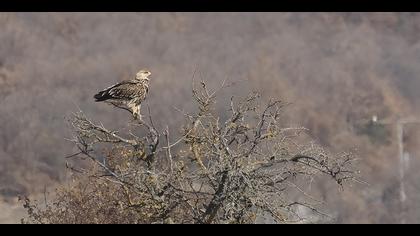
{"x": 123, "y": 90}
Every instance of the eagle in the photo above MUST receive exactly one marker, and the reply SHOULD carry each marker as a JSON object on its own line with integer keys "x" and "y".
{"x": 128, "y": 94}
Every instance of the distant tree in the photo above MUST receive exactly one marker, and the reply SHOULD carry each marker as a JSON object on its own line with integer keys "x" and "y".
{"x": 377, "y": 132}
{"x": 232, "y": 170}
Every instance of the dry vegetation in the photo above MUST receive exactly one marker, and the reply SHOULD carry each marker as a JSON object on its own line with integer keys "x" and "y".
{"x": 338, "y": 69}
{"x": 234, "y": 170}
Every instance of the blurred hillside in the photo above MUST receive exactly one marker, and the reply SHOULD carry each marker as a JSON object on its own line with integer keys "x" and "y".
{"x": 338, "y": 70}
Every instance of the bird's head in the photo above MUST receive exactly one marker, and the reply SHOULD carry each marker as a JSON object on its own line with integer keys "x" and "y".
{"x": 143, "y": 75}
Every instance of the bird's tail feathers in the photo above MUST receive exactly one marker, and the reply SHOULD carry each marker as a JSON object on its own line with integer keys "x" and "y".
{"x": 101, "y": 96}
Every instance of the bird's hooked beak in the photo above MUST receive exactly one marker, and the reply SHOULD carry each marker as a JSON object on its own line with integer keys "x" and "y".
{"x": 147, "y": 76}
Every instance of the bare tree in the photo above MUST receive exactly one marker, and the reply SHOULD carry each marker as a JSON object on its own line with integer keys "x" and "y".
{"x": 219, "y": 171}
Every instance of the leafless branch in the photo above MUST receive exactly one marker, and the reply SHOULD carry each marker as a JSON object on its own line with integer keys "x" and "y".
{"x": 218, "y": 171}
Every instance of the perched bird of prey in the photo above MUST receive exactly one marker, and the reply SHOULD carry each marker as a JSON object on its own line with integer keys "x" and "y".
{"x": 128, "y": 93}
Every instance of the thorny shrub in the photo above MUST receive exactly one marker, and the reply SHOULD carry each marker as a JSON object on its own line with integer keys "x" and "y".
{"x": 232, "y": 170}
